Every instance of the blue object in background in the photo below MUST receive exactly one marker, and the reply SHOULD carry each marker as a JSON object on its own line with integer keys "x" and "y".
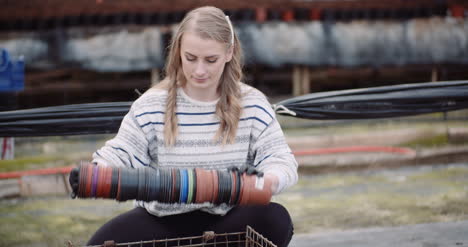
{"x": 11, "y": 73}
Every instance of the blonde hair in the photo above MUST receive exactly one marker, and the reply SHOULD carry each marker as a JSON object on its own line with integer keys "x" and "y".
{"x": 210, "y": 23}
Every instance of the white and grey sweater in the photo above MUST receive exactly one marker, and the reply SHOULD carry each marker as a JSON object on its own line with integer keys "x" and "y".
{"x": 140, "y": 142}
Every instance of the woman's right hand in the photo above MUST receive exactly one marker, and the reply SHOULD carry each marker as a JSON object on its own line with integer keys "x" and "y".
{"x": 73, "y": 179}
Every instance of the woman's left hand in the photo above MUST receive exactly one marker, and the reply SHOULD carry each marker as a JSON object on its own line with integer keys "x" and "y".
{"x": 273, "y": 180}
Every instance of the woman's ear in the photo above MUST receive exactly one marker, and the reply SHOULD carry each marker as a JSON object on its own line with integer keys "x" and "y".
{"x": 230, "y": 51}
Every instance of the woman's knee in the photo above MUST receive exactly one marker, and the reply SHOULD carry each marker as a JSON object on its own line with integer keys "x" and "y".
{"x": 122, "y": 228}
{"x": 276, "y": 222}
{"x": 276, "y": 214}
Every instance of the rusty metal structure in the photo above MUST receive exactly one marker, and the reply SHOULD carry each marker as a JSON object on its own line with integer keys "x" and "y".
{"x": 17, "y": 15}
{"x": 102, "y": 50}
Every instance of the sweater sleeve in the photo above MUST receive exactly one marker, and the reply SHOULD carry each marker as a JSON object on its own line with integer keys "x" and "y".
{"x": 128, "y": 148}
{"x": 273, "y": 155}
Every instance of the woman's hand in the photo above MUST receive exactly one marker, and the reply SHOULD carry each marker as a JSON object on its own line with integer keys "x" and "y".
{"x": 273, "y": 180}
{"x": 73, "y": 179}
{"x": 268, "y": 177}
{"x": 249, "y": 170}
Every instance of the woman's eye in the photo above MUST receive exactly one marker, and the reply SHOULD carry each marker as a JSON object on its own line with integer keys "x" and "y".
{"x": 212, "y": 60}
{"x": 191, "y": 59}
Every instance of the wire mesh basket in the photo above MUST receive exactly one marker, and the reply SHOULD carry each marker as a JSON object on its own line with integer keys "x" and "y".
{"x": 249, "y": 238}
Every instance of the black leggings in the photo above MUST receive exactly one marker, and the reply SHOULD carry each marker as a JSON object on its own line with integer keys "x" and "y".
{"x": 272, "y": 221}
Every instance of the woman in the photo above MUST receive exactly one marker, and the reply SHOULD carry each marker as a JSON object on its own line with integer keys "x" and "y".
{"x": 201, "y": 115}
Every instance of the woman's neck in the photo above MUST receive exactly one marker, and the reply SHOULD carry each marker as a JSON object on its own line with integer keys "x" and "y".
{"x": 199, "y": 94}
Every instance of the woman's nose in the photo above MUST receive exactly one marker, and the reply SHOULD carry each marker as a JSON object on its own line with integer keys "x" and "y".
{"x": 200, "y": 69}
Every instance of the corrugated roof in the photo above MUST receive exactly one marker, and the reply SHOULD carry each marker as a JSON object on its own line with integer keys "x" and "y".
{"x": 30, "y": 9}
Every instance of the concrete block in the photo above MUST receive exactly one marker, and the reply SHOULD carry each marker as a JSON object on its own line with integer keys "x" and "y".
{"x": 9, "y": 188}
{"x": 51, "y": 184}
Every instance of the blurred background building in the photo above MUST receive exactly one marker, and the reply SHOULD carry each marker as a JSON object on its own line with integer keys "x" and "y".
{"x": 109, "y": 50}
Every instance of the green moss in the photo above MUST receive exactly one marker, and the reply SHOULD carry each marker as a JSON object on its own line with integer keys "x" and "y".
{"x": 431, "y": 141}
{"x": 27, "y": 163}
{"x": 42, "y": 161}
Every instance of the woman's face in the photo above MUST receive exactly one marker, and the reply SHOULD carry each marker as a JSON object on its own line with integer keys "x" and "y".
{"x": 203, "y": 62}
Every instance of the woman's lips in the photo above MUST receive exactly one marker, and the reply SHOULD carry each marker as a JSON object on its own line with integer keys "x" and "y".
{"x": 200, "y": 80}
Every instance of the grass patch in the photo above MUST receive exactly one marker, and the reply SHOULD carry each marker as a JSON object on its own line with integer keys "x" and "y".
{"x": 311, "y": 215}
{"x": 45, "y": 152}
{"x": 54, "y": 221}
{"x": 344, "y": 201}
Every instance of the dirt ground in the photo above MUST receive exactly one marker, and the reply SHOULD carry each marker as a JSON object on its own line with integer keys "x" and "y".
{"x": 318, "y": 204}
{"x": 333, "y": 201}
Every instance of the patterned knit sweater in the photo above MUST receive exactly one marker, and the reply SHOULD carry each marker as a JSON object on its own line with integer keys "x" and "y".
{"x": 140, "y": 142}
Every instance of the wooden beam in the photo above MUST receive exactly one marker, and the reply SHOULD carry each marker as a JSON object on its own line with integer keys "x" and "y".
{"x": 296, "y": 80}
{"x": 305, "y": 80}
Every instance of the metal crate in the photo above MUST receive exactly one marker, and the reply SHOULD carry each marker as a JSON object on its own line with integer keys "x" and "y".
{"x": 249, "y": 238}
